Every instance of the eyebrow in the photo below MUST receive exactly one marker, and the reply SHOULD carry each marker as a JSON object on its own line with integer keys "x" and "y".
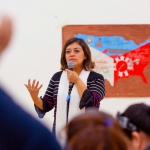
{"x": 74, "y": 48}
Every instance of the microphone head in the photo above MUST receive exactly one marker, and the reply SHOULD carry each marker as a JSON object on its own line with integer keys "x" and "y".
{"x": 70, "y": 65}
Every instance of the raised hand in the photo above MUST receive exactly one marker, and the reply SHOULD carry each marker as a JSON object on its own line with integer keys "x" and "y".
{"x": 33, "y": 89}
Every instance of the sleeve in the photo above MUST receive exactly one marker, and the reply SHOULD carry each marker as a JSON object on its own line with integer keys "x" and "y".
{"x": 48, "y": 100}
{"x": 94, "y": 93}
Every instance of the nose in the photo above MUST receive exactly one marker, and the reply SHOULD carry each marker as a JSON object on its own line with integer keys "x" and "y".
{"x": 72, "y": 53}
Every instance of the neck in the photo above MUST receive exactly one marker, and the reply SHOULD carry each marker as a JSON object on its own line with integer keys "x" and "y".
{"x": 145, "y": 139}
{"x": 77, "y": 70}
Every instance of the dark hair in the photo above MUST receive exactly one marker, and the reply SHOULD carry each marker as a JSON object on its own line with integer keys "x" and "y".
{"x": 87, "y": 63}
{"x": 95, "y": 130}
{"x": 139, "y": 116}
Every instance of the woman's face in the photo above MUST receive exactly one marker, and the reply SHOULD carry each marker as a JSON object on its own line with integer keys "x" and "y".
{"x": 75, "y": 53}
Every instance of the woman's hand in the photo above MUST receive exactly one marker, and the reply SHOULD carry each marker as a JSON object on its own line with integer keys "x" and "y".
{"x": 33, "y": 89}
{"x": 72, "y": 76}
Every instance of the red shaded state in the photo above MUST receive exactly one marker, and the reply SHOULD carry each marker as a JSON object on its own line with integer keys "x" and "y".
{"x": 114, "y": 56}
{"x": 133, "y": 63}
{"x": 105, "y": 51}
{"x": 121, "y": 66}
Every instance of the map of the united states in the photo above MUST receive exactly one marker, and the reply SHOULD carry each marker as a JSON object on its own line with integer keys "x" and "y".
{"x": 115, "y": 57}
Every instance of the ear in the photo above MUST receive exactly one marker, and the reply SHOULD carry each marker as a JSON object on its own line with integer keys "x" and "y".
{"x": 136, "y": 140}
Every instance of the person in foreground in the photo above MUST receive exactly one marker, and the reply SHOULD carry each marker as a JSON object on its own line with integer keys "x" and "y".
{"x": 87, "y": 90}
{"x": 135, "y": 121}
{"x": 95, "y": 130}
{"x": 18, "y": 130}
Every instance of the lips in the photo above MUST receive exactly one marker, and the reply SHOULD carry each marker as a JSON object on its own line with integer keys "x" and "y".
{"x": 72, "y": 59}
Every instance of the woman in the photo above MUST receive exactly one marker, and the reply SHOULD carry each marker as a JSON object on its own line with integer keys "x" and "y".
{"x": 135, "y": 121}
{"x": 87, "y": 91}
{"x": 95, "y": 130}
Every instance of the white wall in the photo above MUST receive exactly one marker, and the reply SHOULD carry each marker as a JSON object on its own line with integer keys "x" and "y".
{"x": 34, "y": 51}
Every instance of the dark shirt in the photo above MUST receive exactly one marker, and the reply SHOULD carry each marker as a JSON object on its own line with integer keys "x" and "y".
{"x": 20, "y": 131}
{"x": 91, "y": 97}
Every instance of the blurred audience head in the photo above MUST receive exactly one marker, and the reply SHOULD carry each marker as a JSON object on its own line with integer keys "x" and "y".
{"x": 5, "y": 32}
{"x": 135, "y": 121}
{"x": 95, "y": 130}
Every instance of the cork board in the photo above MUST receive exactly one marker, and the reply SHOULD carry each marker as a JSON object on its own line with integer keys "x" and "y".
{"x": 121, "y": 53}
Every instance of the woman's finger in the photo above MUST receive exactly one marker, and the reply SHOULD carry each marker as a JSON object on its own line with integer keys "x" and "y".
{"x": 37, "y": 83}
{"x": 26, "y": 86}
{"x": 33, "y": 83}
{"x": 68, "y": 71}
{"x": 29, "y": 84}
{"x": 40, "y": 87}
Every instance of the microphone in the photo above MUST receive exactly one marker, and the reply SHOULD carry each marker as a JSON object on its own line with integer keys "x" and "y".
{"x": 70, "y": 65}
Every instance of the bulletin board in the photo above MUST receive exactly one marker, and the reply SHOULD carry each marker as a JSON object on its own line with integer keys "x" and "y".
{"x": 121, "y": 54}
